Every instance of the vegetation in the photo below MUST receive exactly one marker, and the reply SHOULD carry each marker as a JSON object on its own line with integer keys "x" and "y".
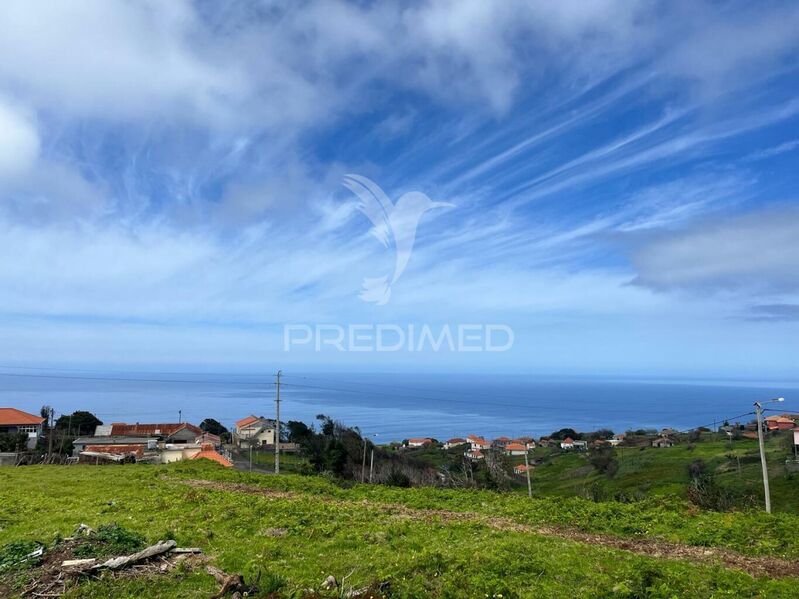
{"x": 78, "y": 423}
{"x": 408, "y": 542}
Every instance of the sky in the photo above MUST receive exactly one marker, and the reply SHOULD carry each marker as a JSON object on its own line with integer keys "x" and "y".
{"x": 623, "y": 179}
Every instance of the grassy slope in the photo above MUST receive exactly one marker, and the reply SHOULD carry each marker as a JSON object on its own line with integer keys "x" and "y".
{"x": 663, "y": 471}
{"x": 331, "y": 530}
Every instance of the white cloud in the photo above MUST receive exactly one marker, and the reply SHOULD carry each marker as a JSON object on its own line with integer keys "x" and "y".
{"x": 19, "y": 141}
{"x": 755, "y": 252}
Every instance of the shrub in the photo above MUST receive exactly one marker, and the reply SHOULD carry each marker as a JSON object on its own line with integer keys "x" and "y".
{"x": 110, "y": 539}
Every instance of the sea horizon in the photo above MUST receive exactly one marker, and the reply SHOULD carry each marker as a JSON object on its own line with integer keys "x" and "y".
{"x": 394, "y": 406}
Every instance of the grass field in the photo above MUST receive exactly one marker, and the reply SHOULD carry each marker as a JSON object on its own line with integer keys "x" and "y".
{"x": 297, "y": 530}
{"x": 654, "y": 472}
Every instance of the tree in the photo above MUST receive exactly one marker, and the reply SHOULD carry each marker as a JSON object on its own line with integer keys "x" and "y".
{"x": 12, "y": 442}
{"x": 604, "y": 460}
{"x": 565, "y": 432}
{"x": 298, "y": 431}
{"x": 78, "y": 423}
{"x": 209, "y": 425}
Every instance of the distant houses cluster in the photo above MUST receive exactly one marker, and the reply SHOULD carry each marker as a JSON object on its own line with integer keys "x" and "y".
{"x": 159, "y": 443}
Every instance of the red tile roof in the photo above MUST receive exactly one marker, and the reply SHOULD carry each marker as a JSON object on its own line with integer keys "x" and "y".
{"x": 245, "y": 421}
{"x": 137, "y": 450}
{"x": 419, "y": 440}
{"x": 478, "y": 440}
{"x": 456, "y": 441}
{"x": 515, "y": 447}
{"x": 207, "y": 452}
{"x": 15, "y": 417}
{"x": 568, "y": 440}
{"x": 140, "y": 430}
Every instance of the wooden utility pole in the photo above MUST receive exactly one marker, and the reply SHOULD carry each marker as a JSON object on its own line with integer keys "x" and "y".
{"x": 277, "y": 424}
{"x": 527, "y": 472}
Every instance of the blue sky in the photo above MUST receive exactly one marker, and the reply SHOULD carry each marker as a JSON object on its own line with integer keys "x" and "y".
{"x": 624, "y": 177}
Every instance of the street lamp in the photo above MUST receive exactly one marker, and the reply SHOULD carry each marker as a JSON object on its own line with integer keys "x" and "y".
{"x": 759, "y": 412}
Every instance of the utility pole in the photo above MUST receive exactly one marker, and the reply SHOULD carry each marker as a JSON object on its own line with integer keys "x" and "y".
{"x": 759, "y": 412}
{"x": 180, "y": 416}
{"x": 363, "y": 463}
{"x": 527, "y": 472}
{"x": 50, "y": 435}
{"x": 277, "y": 424}
{"x": 371, "y": 465}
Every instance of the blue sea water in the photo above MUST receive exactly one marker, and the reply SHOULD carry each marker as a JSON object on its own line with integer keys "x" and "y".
{"x": 397, "y": 406}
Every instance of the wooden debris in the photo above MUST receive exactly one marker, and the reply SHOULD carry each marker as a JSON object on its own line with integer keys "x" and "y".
{"x": 115, "y": 563}
{"x": 78, "y": 563}
{"x": 230, "y": 583}
{"x": 179, "y": 550}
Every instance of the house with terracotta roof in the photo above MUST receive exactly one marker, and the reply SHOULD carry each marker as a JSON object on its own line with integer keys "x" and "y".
{"x": 515, "y": 449}
{"x": 14, "y": 421}
{"x": 474, "y": 454}
{"x": 419, "y": 442}
{"x": 454, "y": 442}
{"x": 255, "y": 430}
{"x": 110, "y": 444}
{"x": 528, "y": 442}
{"x": 478, "y": 443}
{"x": 522, "y": 469}
{"x": 171, "y": 432}
{"x": 502, "y": 441}
{"x": 780, "y": 423}
{"x": 211, "y": 438}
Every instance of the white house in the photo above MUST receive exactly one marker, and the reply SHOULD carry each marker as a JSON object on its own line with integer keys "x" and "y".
{"x": 255, "y": 430}
{"x": 16, "y": 421}
{"x": 454, "y": 442}
{"x": 515, "y": 449}
{"x": 478, "y": 443}
{"x": 580, "y": 445}
{"x": 474, "y": 454}
{"x": 567, "y": 443}
{"x": 419, "y": 442}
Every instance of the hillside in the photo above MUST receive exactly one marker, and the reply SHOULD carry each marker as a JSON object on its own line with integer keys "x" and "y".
{"x": 296, "y": 531}
{"x": 645, "y": 471}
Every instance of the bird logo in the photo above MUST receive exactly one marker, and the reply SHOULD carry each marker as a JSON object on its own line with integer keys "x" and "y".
{"x": 392, "y": 224}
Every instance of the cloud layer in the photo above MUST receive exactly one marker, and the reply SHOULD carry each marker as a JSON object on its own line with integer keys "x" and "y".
{"x": 622, "y": 173}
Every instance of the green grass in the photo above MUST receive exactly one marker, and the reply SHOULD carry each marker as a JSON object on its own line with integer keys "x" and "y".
{"x": 654, "y": 472}
{"x": 289, "y": 462}
{"x": 330, "y": 529}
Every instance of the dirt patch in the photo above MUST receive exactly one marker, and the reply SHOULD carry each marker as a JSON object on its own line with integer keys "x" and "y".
{"x": 48, "y": 577}
{"x": 773, "y": 567}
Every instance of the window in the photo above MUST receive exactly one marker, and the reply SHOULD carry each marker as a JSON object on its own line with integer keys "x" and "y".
{"x": 28, "y": 428}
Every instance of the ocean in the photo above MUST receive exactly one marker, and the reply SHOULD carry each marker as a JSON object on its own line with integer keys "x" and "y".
{"x": 397, "y": 406}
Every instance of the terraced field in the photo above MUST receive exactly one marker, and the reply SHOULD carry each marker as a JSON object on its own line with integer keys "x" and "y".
{"x": 292, "y": 532}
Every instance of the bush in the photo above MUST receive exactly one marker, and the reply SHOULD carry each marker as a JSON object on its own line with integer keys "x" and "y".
{"x": 14, "y": 555}
{"x": 111, "y": 539}
{"x": 397, "y": 478}
{"x": 604, "y": 460}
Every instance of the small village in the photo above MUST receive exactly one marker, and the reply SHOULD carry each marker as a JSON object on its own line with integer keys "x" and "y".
{"x": 164, "y": 443}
